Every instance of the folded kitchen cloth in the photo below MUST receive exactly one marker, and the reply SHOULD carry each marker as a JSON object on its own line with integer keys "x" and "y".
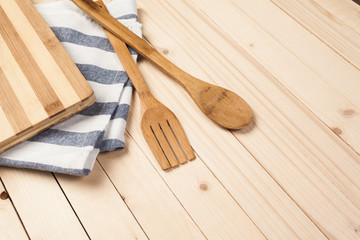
{"x": 71, "y": 147}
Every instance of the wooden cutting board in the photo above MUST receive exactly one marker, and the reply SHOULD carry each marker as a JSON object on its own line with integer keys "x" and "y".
{"x": 39, "y": 83}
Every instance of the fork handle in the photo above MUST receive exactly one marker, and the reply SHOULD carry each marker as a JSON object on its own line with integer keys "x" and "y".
{"x": 129, "y": 65}
{"x": 108, "y": 22}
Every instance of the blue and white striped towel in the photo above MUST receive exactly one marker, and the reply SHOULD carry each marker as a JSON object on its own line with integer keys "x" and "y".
{"x": 71, "y": 147}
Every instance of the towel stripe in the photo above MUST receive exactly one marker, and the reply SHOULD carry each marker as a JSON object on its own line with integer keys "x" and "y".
{"x": 102, "y": 75}
{"x": 100, "y": 109}
{"x": 121, "y": 112}
{"x": 73, "y": 36}
{"x": 76, "y": 37}
{"x": 110, "y": 108}
{"x": 111, "y": 145}
{"x": 117, "y": 129}
{"x": 65, "y": 138}
{"x": 128, "y": 83}
{"x": 128, "y": 16}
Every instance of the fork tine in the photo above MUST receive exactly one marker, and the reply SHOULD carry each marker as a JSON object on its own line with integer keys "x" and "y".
{"x": 155, "y": 147}
{"x": 173, "y": 142}
{"x": 165, "y": 145}
{"x": 183, "y": 140}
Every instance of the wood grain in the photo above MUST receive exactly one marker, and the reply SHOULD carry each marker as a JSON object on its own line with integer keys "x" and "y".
{"x": 106, "y": 216}
{"x": 273, "y": 103}
{"x": 17, "y": 118}
{"x": 10, "y": 225}
{"x": 28, "y": 65}
{"x": 7, "y": 130}
{"x": 252, "y": 188}
{"x": 156, "y": 201}
{"x": 20, "y": 85}
{"x": 337, "y": 100}
{"x": 326, "y": 26}
{"x": 67, "y": 75}
{"x": 157, "y": 210}
{"x": 40, "y": 202}
{"x": 40, "y": 84}
{"x": 345, "y": 10}
{"x": 314, "y": 142}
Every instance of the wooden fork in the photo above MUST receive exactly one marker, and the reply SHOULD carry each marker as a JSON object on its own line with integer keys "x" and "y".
{"x": 160, "y": 127}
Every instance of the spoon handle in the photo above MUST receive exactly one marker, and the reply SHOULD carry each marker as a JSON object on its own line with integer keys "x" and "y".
{"x": 97, "y": 12}
{"x": 221, "y": 105}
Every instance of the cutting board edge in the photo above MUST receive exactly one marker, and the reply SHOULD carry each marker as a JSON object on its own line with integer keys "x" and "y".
{"x": 47, "y": 123}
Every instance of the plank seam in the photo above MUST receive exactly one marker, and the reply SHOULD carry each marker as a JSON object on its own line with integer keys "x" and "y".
{"x": 16, "y": 211}
{"x": 318, "y": 37}
{"x": 67, "y": 199}
{"x": 231, "y": 194}
{"x": 306, "y": 64}
{"x": 289, "y": 93}
{"x": 117, "y": 190}
{"x": 296, "y": 100}
{"x": 127, "y": 131}
{"x": 218, "y": 178}
{"x": 283, "y": 190}
{"x": 294, "y": 54}
{"x": 268, "y": 74}
{"x": 212, "y": 174}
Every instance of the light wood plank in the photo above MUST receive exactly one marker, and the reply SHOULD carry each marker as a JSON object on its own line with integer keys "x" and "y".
{"x": 7, "y": 130}
{"x": 326, "y": 26}
{"x": 57, "y": 51}
{"x": 147, "y": 196}
{"x": 41, "y": 205}
{"x": 10, "y": 225}
{"x": 337, "y": 148}
{"x": 31, "y": 84}
{"x": 16, "y": 117}
{"x": 303, "y": 124}
{"x": 255, "y": 191}
{"x": 345, "y": 10}
{"x": 327, "y": 85}
{"x": 99, "y": 206}
{"x": 43, "y": 58}
{"x": 19, "y": 84}
{"x": 202, "y": 196}
{"x": 266, "y": 94}
{"x": 28, "y": 64}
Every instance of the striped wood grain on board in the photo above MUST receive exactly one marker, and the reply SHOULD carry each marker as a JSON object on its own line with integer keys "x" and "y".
{"x": 39, "y": 83}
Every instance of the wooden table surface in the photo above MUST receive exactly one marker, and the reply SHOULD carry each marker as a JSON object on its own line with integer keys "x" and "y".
{"x": 293, "y": 174}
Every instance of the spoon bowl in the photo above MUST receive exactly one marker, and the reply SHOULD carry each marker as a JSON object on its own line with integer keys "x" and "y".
{"x": 224, "y": 107}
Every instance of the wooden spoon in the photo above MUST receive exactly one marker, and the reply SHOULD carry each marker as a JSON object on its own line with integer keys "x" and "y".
{"x": 223, "y": 106}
